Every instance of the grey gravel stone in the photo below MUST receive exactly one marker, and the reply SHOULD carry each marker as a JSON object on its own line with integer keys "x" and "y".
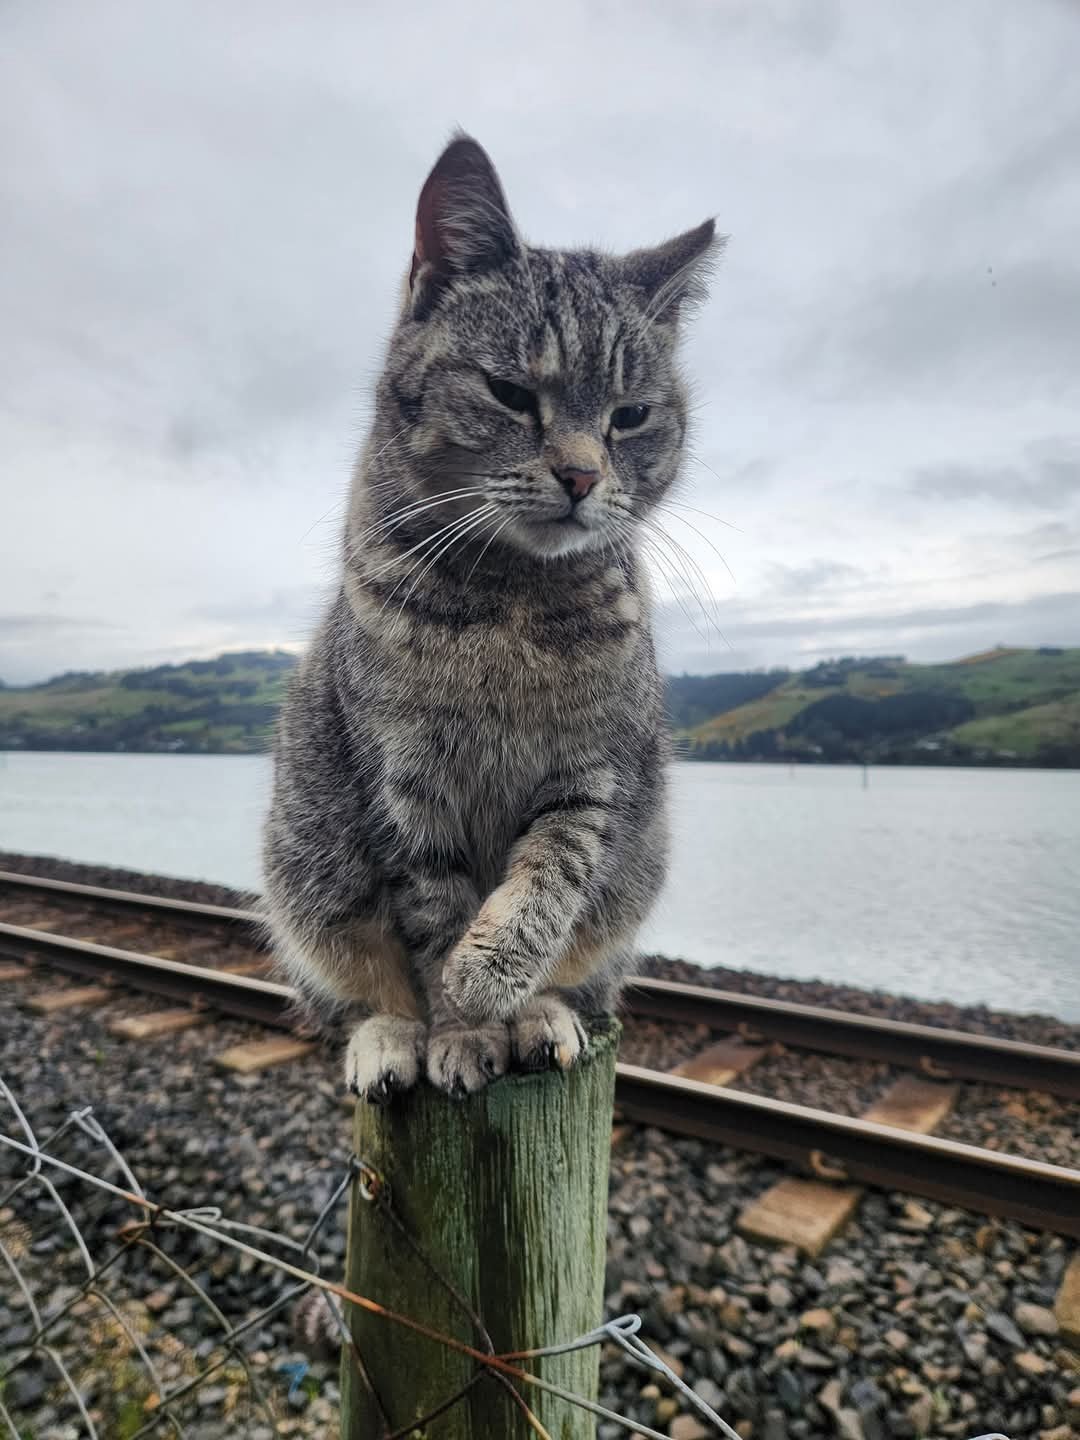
{"x": 24, "y": 1388}
{"x": 779, "y": 1295}
{"x": 1002, "y": 1328}
{"x": 867, "y": 1397}
{"x": 710, "y": 1392}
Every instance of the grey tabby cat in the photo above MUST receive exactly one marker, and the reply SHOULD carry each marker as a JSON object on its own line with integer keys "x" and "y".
{"x": 468, "y": 820}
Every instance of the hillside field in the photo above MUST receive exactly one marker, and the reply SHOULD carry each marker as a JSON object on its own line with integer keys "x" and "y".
{"x": 1004, "y": 706}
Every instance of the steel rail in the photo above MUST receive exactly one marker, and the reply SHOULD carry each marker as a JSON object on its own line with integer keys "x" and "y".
{"x": 939, "y": 1052}
{"x": 265, "y": 1001}
{"x": 859, "y": 1151}
{"x": 986, "y": 1181}
{"x": 129, "y": 901}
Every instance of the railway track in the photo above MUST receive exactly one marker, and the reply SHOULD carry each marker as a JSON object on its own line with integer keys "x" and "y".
{"x": 844, "y": 1149}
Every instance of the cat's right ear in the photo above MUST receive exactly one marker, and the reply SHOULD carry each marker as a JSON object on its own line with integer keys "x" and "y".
{"x": 463, "y": 223}
{"x": 672, "y": 277}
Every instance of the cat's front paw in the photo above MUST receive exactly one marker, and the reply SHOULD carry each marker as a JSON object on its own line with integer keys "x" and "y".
{"x": 481, "y": 982}
{"x": 462, "y": 1061}
{"x": 547, "y": 1035}
{"x": 385, "y": 1055}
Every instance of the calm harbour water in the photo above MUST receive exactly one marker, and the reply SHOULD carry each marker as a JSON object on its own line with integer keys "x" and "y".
{"x": 941, "y": 883}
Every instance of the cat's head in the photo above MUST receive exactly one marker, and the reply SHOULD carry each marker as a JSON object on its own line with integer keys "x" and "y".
{"x": 535, "y": 392}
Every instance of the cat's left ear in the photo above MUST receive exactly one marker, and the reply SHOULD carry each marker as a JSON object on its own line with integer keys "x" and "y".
{"x": 463, "y": 223}
{"x": 674, "y": 276}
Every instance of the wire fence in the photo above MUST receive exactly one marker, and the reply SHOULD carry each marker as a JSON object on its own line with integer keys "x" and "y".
{"x": 79, "y": 1240}
{"x": 77, "y": 1227}
{"x": 81, "y": 1244}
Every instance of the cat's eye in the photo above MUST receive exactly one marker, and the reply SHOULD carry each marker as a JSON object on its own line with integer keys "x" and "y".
{"x": 514, "y": 397}
{"x": 629, "y": 417}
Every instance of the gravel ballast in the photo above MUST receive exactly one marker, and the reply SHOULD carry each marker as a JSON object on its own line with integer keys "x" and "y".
{"x": 920, "y": 1320}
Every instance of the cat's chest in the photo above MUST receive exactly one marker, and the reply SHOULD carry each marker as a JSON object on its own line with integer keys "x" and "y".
{"x": 531, "y": 671}
{"x": 497, "y": 709}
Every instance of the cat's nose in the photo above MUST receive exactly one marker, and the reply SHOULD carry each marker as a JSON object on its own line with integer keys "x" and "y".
{"x": 576, "y": 483}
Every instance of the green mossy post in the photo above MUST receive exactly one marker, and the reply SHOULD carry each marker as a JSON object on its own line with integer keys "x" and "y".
{"x": 506, "y": 1194}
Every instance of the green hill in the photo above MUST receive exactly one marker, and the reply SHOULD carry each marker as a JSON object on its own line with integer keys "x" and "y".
{"x": 1014, "y": 707}
{"x": 224, "y": 706}
{"x": 999, "y": 707}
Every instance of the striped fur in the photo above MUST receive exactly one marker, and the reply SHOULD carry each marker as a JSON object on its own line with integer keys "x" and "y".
{"x": 468, "y": 819}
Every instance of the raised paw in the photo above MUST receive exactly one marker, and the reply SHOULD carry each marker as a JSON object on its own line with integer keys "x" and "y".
{"x": 547, "y": 1035}
{"x": 481, "y": 984}
{"x": 463, "y": 1060}
{"x": 384, "y": 1056}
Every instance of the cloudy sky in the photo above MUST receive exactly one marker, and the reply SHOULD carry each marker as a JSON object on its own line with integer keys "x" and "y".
{"x": 207, "y": 209}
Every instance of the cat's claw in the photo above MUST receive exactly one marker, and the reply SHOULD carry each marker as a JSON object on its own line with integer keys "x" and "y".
{"x": 385, "y": 1056}
{"x": 547, "y": 1035}
{"x": 384, "y": 1089}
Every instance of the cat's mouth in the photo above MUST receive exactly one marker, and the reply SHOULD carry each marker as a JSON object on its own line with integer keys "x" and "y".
{"x": 561, "y": 534}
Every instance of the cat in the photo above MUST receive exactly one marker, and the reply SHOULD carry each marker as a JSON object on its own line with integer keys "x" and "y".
{"x": 468, "y": 821}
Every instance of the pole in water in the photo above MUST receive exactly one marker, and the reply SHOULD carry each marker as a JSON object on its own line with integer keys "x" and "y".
{"x": 865, "y": 775}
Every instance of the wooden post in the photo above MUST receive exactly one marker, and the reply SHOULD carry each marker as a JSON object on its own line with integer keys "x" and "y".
{"x": 506, "y": 1195}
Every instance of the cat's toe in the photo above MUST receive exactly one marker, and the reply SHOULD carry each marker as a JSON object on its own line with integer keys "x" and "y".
{"x": 384, "y": 1056}
{"x": 547, "y": 1035}
{"x": 463, "y": 1060}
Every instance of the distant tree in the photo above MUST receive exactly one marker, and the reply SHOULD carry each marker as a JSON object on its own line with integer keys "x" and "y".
{"x": 853, "y": 718}
{"x": 693, "y": 699}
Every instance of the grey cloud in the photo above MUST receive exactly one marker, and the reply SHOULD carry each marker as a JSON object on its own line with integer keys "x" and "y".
{"x": 1046, "y": 483}
{"x": 817, "y": 575}
{"x": 287, "y": 605}
{"x": 1051, "y": 532}
{"x": 1056, "y": 555}
{"x": 36, "y": 645}
{"x": 30, "y": 626}
{"x": 733, "y": 475}
{"x": 979, "y": 327}
{"x": 935, "y": 617}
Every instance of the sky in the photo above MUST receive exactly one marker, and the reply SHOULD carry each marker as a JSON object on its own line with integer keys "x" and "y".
{"x": 207, "y": 211}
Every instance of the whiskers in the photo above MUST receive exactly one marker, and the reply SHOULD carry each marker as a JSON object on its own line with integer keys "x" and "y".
{"x": 674, "y": 565}
{"x": 437, "y": 546}
{"x": 385, "y": 526}
{"x": 667, "y": 504}
{"x": 457, "y": 537}
{"x": 341, "y": 507}
{"x": 491, "y": 501}
{"x": 671, "y": 507}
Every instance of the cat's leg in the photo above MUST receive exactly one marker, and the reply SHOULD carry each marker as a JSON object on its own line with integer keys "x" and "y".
{"x": 385, "y": 1053}
{"x": 513, "y": 948}
{"x": 592, "y": 973}
{"x": 462, "y": 1057}
{"x": 550, "y": 1031}
{"x": 435, "y": 908}
{"x": 359, "y": 964}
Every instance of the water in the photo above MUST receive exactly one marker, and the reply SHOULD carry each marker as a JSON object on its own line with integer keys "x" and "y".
{"x": 941, "y": 883}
